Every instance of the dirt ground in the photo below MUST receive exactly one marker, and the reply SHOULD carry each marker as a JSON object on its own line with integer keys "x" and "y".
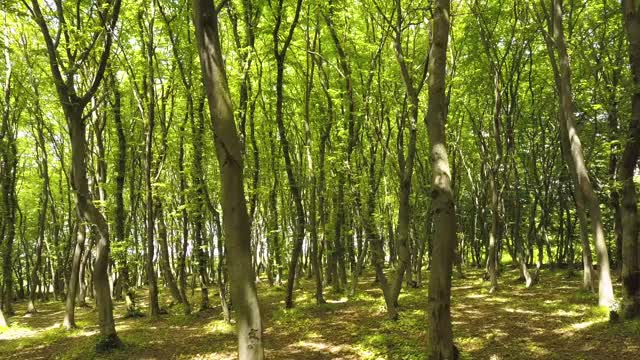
{"x": 552, "y": 320}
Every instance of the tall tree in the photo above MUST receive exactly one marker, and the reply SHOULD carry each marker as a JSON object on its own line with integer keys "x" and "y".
{"x": 280, "y": 53}
{"x": 440, "y": 335}
{"x": 150, "y": 94}
{"x": 234, "y": 207}
{"x": 577, "y": 166}
{"x": 630, "y": 245}
{"x": 73, "y": 106}
{"x": 8, "y": 172}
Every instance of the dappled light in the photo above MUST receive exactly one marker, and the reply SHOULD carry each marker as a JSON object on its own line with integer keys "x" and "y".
{"x": 513, "y": 327}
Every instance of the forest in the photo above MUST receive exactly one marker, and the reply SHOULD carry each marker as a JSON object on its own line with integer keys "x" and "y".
{"x": 320, "y": 179}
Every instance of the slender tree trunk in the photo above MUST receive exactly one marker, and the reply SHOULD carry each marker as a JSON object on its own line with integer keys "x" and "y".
{"x": 184, "y": 67}
{"x": 9, "y": 165}
{"x": 228, "y": 150}
{"x": 582, "y": 183}
{"x": 440, "y": 335}
{"x": 197, "y": 130}
{"x": 42, "y": 218}
{"x": 165, "y": 263}
{"x": 630, "y": 242}
{"x": 69, "y": 316}
{"x": 221, "y": 268}
{"x": 119, "y": 218}
{"x": 315, "y": 260}
{"x": 73, "y": 107}
{"x": 294, "y": 186}
{"x": 154, "y": 307}
{"x": 88, "y": 211}
{"x": 8, "y": 154}
{"x": 184, "y": 221}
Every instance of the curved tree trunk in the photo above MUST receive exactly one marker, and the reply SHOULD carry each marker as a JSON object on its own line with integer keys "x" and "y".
{"x": 228, "y": 150}
{"x": 73, "y": 107}
{"x": 294, "y": 185}
{"x": 582, "y": 183}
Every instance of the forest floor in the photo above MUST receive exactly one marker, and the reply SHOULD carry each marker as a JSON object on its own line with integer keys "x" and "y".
{"x": 552, "y": 320}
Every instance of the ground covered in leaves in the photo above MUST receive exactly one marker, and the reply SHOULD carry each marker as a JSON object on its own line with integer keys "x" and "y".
{"x": 553, "y": 320}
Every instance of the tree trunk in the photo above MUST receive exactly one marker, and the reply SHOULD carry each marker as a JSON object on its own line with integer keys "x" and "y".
{"x": 88, "y": 211}
{"x": 440, "y": 336}
{"x": 197, "y": 131}
{"x": 294, "y": 186}
{"x": 221, "y": 268}
{"x": 228, "y": 151}
{"x": 154, "y": 307}
{"x": 184, "y": 220}
{"x": 73, "y": 107}
{"x": 630, "y": 242}
{"x": 69, "y": 315}
{"x": 316, "y": 268}
{"x": 165, "y": 263}
{"x": 119, "y": 218}
{"x": 406, "y": 164}
{"x": 582, "y": 183}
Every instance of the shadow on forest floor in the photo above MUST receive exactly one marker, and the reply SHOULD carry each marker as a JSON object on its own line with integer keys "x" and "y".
{"x": 552, "y": 320}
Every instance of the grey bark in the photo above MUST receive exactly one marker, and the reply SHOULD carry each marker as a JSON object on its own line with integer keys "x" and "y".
{"x": 440, "y": 336}
{"x": 228, "y": 150}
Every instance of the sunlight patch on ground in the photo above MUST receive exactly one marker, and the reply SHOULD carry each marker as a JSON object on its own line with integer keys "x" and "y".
{"x": 77, "y": 334}
{"x": 460, "y": 288}
{"x": 498, "y": 334}
{"x": 312, "y": 335}
{"x": 472, "y": 312}
{"x": 536, "y": 349}
{"x": 367, "y": 354}
{"x": 582, "y": 325}
{"x": 498, "y": 299}
{"x": 319, "y": 347}
{"x": 212, "y": 356}
{"x": 476, "y": 296}
{"x": 571, "y": 329}
{"x": 16, "y": 332}
{"x": 520, "y": 311}
{"x": 565, "y": 313}
{"x": 565, "y": 287}
{"x": 220, "y": 327}
{"x": 343, "y": 299}
{"x": 471, "y": 344}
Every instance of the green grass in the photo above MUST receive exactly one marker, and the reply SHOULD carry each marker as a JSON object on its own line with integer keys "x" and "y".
{"x": 553, "y": 320}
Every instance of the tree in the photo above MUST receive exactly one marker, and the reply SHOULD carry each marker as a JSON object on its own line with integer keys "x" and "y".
{"x": 575, "y": 157}
{"x": 630, "y": 246}
{"x": 8, "y": 170}
{"x": 280, "y": 53}
{"x": 73, "y": 106}
{"x": 150, "y": 93}
{"x": 234, "y": 207}
{"x": 439, "y": 304}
